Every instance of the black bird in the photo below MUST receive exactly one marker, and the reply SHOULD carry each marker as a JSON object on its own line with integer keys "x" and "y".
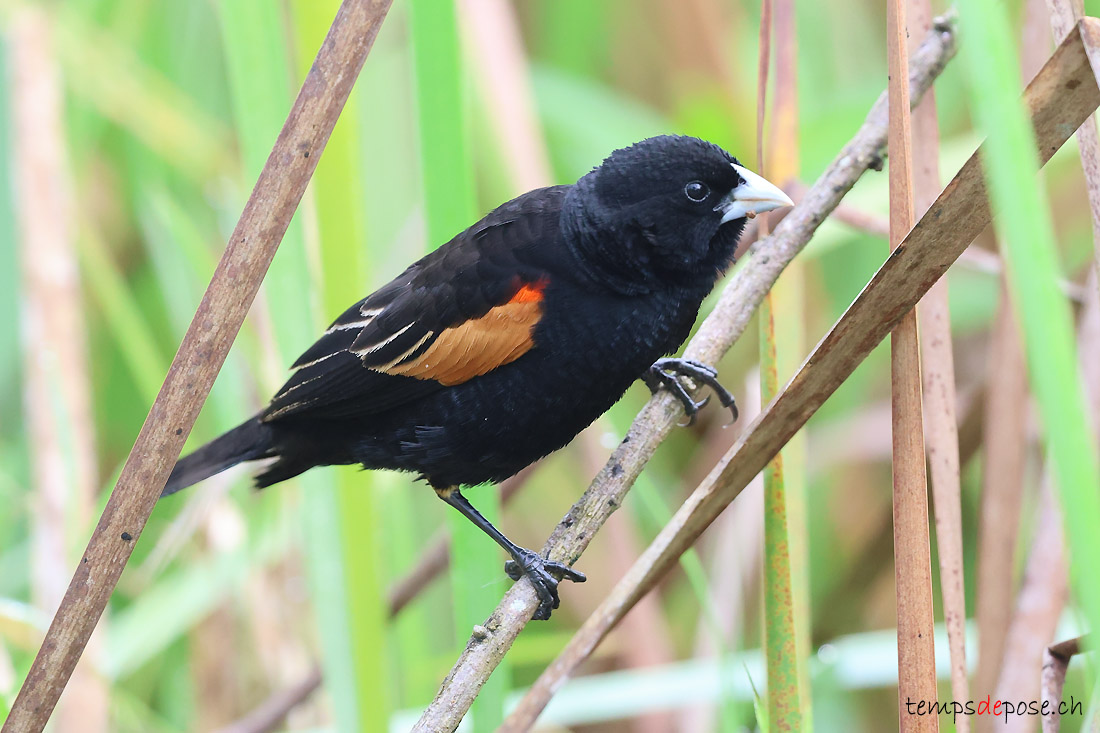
{"x": 500, "y": 346}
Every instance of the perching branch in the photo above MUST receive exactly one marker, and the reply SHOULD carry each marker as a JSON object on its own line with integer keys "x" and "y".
{"x": 1060, "y": 98}
{"x": 726, "y": 323}
{"x": 217, "y": 320}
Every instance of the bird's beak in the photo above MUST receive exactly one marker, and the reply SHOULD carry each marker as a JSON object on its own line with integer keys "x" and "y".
{"x": 754, "y": 196}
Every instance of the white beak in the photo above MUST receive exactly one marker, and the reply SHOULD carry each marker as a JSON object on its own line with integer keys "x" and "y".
{"x": 754, "y": 196}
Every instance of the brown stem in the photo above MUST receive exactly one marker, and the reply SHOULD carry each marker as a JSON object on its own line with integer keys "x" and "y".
{"x": 217, "y": 320}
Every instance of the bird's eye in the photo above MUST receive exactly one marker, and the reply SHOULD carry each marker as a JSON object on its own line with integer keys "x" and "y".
{"x": 697, "y": 191}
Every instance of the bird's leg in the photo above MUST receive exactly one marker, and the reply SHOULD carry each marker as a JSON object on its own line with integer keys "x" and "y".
{"x": 666, "y": 373}
{"x": 544, "y": 574}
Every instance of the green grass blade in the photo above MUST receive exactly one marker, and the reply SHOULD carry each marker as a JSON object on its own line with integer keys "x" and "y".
{"x": 1024, "y": 224}
{"x": 450, "y": 203}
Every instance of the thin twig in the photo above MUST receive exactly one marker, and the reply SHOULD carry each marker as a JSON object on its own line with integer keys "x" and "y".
{"x": 1060, "y": 99}
{"x": 726, "y": 323}
{"x": 217, "y": 320}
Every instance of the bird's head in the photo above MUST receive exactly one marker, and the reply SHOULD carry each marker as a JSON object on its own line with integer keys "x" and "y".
{"x": 668, "y": 207}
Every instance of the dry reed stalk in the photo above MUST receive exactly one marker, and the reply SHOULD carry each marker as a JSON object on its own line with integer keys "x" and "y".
{"x": 1060, "y": 98}
{"x": 938, "y": 366}
{"x": 217, "y": 320}
{"x": 57, "y": 397}
{"x": 912, "y": 551}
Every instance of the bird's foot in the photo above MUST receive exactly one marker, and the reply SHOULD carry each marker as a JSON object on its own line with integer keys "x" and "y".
{"x": 667, "y": 372}
{"x": 545, "y": 576}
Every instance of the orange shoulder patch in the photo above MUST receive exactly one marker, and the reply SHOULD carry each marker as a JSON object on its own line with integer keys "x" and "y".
{"x": 531, "y": 292}
{"x": 479, "y": 345}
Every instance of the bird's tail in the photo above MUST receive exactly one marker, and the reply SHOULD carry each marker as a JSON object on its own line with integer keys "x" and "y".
{"x": 248, "y": 441}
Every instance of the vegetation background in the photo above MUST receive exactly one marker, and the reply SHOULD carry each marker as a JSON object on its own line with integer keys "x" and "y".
{"x": 152, "y": 121}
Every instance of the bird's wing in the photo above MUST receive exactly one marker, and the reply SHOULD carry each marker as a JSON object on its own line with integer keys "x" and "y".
{"x": 466, "y": 309}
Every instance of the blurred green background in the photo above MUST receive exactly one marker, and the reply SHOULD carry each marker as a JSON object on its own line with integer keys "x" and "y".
{"x": 167, "y": 112}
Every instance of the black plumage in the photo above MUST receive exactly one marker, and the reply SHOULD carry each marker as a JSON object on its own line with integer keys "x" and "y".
{"x": 500, "y": 346}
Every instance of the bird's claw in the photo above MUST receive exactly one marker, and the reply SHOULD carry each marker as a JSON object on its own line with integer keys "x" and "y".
{"x": 666, "y": 373}
{"x": 545, "y": 576}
